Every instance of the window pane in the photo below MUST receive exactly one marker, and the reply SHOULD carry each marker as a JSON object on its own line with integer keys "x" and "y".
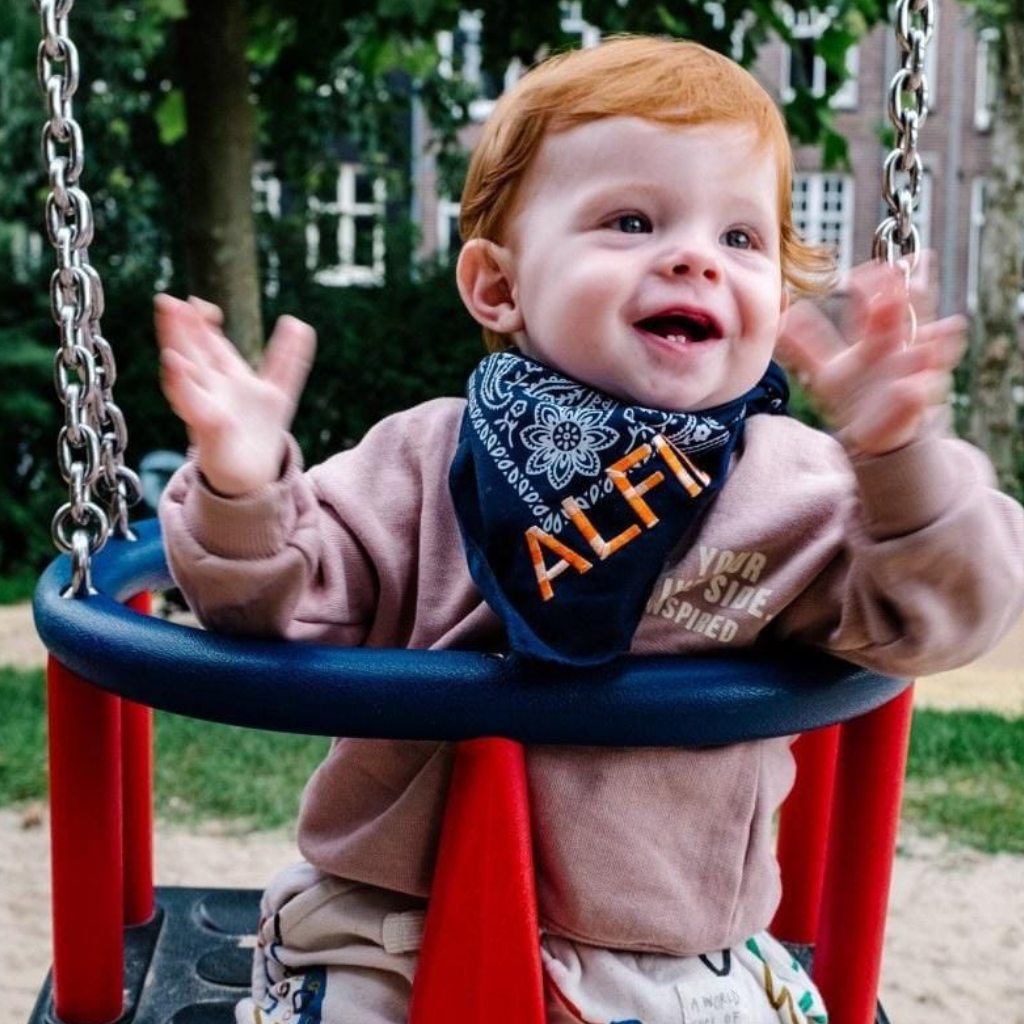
{"x": 363, "y": 255}
{"x": 329, "y": 254}
{"x": 801, "y": 198}
{"x": 364, "y": 188}
{"x": 801, "y": 65}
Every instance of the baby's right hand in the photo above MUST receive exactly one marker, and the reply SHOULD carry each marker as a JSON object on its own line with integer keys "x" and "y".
{"x": 237, "y": 418}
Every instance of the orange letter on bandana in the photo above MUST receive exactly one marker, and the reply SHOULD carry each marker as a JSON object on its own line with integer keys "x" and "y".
{"x": 602, "y": 547}
{"x": 535, "y": 537}
{"x": 632, "y": 492}
{"x": 692, "y": 477}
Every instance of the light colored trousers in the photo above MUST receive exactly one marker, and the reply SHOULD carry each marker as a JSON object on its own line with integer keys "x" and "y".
{"x": 335, "y": 952}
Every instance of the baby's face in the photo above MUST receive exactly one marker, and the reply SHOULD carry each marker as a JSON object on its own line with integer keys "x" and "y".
{"x": 645, "y": 260}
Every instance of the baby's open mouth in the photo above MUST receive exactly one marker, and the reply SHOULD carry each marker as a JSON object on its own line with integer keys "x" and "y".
{"x": 681, "y": 327}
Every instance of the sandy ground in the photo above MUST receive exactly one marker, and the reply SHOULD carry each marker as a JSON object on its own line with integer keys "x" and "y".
{"x": 954, "y": 943}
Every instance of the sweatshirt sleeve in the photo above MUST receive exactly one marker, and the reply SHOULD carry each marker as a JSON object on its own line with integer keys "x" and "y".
{"x": 329, "y": 555}
{"x": 930, "y": 571}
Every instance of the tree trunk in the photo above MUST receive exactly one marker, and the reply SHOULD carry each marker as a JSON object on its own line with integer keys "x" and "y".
{"x": 997, "y": 370}
{"x": 220, "y": 228}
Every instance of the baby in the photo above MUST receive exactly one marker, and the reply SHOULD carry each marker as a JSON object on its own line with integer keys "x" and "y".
{"x": 622, "y": 477}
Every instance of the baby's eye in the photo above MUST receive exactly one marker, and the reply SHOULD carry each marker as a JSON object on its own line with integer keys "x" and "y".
{"x": 632, "y": 224}
{"x": 738, "y": 238}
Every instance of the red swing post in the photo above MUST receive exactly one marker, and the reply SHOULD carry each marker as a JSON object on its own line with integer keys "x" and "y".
{"x": 101, "y": 835}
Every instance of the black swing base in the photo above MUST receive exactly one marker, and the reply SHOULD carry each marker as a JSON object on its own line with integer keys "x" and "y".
{"x": 189, "y": 964}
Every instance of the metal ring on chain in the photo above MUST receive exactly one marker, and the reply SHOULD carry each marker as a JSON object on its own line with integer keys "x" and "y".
{"x": 76, "y": 203}
{"x": 76, "y": 148}
{"x": 58, "y": 51}
{"x": 888, "y": 249}
{"x": 65, "y": 521}
{"x": 901, "y": 88}
{"x": 925, "y": 9}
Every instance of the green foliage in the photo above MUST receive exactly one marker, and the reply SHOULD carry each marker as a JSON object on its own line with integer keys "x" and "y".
{"x": 802, "y": 408}
{"x": 170, "y": 117}
{"x": 29, "y": 491}
{"x": 18, "y": 587}
{"x": 133, "y": 187}
{"x": 379, "y": 351}
{"x": 993, "y": 13}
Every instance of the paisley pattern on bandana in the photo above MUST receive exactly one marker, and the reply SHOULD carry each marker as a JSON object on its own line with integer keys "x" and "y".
{"x": 564, "y": 426}
{"x": 546, "y": 467}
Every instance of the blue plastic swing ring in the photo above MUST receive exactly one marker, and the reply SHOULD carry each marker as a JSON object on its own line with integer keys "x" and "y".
{"x": 429, "y": 695}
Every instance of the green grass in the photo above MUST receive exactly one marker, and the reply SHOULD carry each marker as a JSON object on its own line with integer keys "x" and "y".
{"x": 965, "y": 775}
{"x": 245, "y": 778}
{"x": 22, "y": 736}
{"x": 965, "y": 778}
{"x": 242, "y": 776}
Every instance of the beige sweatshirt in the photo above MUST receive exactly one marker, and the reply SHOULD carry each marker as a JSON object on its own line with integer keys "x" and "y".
{"x": 909, "y": 563}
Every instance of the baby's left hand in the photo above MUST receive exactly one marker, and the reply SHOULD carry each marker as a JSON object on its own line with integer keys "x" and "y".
{"x": 877, "y": 394}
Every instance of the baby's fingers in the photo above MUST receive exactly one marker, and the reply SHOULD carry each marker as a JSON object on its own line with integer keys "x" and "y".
{"x": 895, "y": 415}
{"x": 289, "y": 356}
{"x": 184, "y": 327}
{"x": 185, "y": 387}
{"x": 924, "y": 292}
{"x": 209, "y": 311}
{"x": 945, "y": 340}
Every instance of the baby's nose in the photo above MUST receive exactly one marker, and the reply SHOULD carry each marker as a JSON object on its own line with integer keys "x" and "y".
{"x": 693, "y": 263}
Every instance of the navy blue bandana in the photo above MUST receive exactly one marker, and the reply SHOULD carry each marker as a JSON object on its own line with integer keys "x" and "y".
{"x": 570, "y": 500}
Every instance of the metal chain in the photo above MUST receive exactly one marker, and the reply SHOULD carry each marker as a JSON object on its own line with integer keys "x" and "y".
{"x": 897, "y": 240}
{"x": 92, "y": 442}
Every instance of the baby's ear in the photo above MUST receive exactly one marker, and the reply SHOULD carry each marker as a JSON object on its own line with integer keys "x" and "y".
{"x": 486, "y": 283}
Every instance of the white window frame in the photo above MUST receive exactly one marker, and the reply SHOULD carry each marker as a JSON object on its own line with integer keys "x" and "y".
{"x": 573, "y": 23}
{"x": 266, "y": 189}
{"x": 740, "y": 25}
{"x": 931, "y": 59}
{"x": 922, "y": 215}
{"x": 984, "y": 79}
{"x": 447, "y": 211}
{"x": 470, "y": 24}
{"x": 977, "y": 222}
{"x": 816, "y": 225}
{"x": 347, "y": 209}
{"x": 266, "y": 201}
{"x": 810, "y": 25}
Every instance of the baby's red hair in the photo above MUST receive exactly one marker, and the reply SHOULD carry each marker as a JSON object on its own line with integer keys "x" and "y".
{"x": 668, "y": 81}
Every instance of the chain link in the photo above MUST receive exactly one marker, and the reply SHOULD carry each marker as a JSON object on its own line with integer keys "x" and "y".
{"x": 897, "y": 240}
{"x": 92, "y": 442}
